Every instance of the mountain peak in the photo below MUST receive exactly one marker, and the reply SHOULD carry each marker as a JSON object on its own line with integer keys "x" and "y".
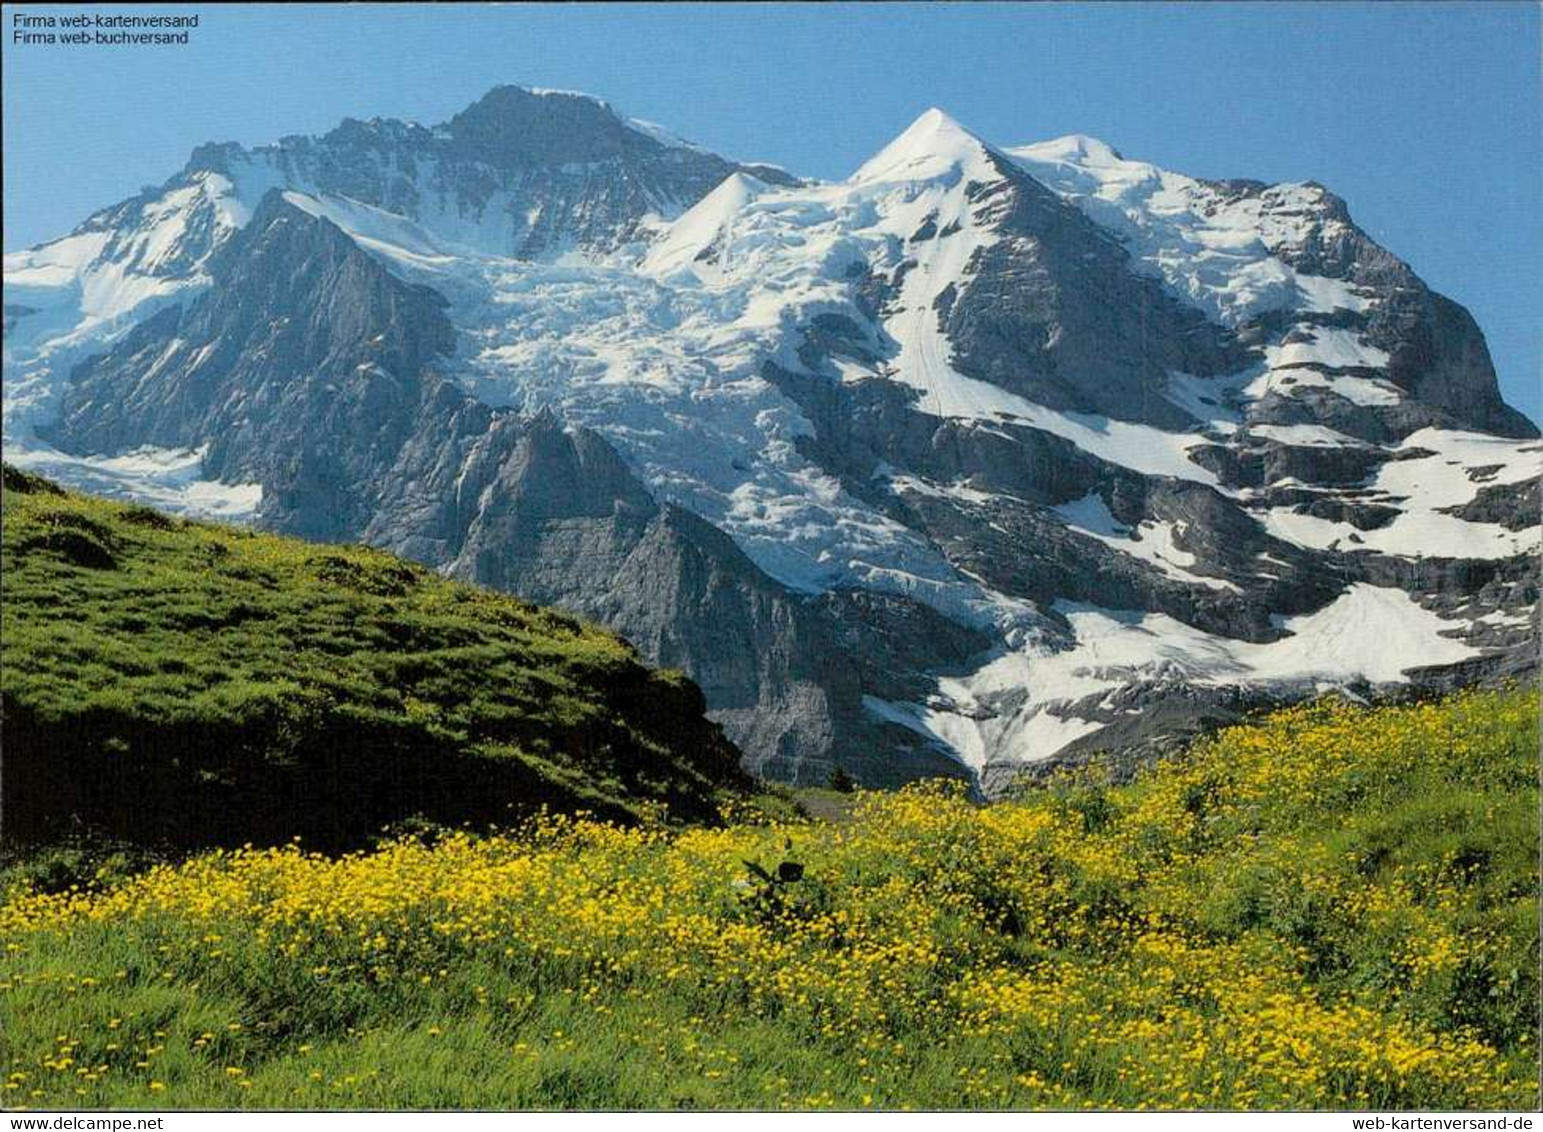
{"x": 540, "y": 128}
{"x": 1072, "y": 149}
{"x": 933, "y": 145}
{"x": 934, "y": 119}
{"x": 511, "y": 95}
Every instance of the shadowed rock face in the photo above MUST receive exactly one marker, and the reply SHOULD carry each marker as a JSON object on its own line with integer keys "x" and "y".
{"x": 1437, "y": 352}
{"x": 1052, "y": 311}
{"x": 325, "y": 370}
{"x": 1013, "y": 539}
{"x": 516, "y": 173}
{"x": 304, "y": 370}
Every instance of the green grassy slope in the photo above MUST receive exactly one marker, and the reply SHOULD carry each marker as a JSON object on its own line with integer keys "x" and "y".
{"x": 170, "y": 681}
{"x": 1334, "y": 908}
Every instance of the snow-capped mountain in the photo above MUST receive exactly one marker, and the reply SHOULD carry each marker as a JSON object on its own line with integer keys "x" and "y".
{"x": 980, "y": 459}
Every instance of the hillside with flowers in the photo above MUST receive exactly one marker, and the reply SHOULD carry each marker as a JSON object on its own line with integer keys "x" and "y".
{"x": 1332, "y": 907}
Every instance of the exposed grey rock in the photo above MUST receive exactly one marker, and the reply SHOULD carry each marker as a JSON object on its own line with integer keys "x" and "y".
{"x": 1514, "y": 506}
{"x": 1438, "y": 355}
{"x": 1052, "y": 311}
{"x": 1142, "y": 724}
{"x": 539, "y": 172}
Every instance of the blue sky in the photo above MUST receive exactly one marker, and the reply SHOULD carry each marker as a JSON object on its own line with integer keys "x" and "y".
{"x": 1424, "y": 117}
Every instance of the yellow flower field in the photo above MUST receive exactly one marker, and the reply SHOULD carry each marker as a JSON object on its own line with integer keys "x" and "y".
{"x": 1336, "y": 907}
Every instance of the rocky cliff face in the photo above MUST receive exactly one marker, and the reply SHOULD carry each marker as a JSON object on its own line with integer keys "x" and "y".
{"x": 980, "y": 460}
{"x": 518, "y": 173}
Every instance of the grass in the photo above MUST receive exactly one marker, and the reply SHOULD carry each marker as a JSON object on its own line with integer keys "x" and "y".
{"x": 193, "y": 684}
{"x": 1335, "y": 907}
